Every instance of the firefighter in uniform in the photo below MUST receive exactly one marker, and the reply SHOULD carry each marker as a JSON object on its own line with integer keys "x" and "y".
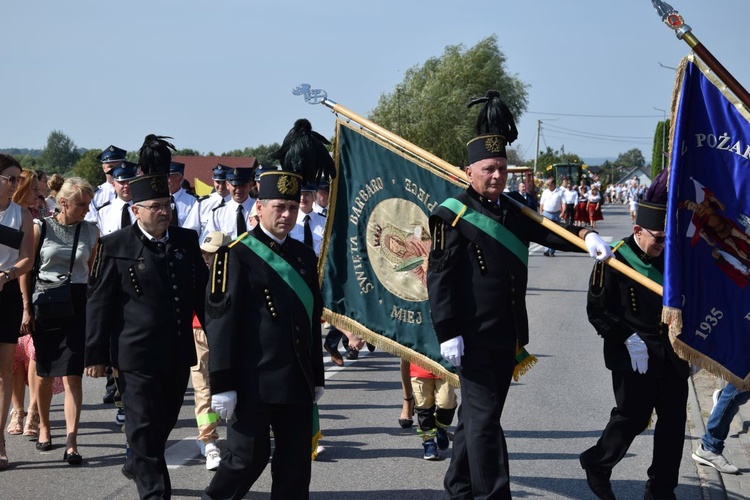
{"x": 646, "y": 372}
{"x": 476, "y": 283}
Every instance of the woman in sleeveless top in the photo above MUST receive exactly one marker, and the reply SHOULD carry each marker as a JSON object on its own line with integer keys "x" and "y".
{"x": 16, "y": 259}
{"x": 60, "y": 344}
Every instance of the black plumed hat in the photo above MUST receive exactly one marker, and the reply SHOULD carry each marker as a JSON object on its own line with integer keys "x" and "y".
{"x": 652, "y": 211}
{"x": 304, "y": 152}
{"x": 495, "y": 128}
{"x": 155, "y": 154}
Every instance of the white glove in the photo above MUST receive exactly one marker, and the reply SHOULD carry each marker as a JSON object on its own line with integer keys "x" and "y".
{"x": 597, "y": 248}
{"x": 224, "y": 404}
{"x": 452, "y": 350}
{"x": 319, "y": 390}
{"x": 638, "y": 353}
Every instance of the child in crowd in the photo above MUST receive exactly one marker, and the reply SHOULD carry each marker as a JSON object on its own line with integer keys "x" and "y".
{"x": 435, "y": 404}
{"x": 633, "y": 207}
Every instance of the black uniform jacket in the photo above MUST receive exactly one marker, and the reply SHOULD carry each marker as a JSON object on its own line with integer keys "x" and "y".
{"x": 477, "y": 288}
{"x": 618, "y": 307}
{"x": 142, "y": 295}
{"x": 260, "y": 336}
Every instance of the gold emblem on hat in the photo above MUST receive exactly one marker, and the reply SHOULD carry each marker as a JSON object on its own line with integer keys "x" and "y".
{"x": 287, "y": 184}
{"x": 493, "y": 144}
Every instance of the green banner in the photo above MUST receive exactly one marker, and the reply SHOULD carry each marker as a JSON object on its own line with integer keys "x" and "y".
{"x": 375, "y": 258}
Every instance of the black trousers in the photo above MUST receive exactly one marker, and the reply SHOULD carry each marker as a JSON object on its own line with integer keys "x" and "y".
{"x": 249, "y": 446}
{"x": 479, "y": 467}
{"x": 636, "y": 396}
{"x": 152, "y": 406}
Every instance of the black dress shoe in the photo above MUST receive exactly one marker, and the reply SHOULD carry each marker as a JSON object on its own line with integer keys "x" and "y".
{"x": 126, "y": 472}
{"x": 109, "y": 397}
{"x": 598, "y": 482}
{"x": 44, "y": 445}
{"x": 352, "y": 355}
{"x": 73, "y": 458}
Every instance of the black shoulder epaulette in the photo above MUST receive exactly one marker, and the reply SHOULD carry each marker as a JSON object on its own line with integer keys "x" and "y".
{"x": 218, "y": 206}
{"x": 104, "y": 205}
{"x": 204, "y": 197}
{"x": 219, "y": 301}
{"x": 192, "y": 194}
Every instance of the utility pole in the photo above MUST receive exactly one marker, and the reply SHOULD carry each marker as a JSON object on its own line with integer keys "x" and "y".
{"x": 536, "y": 154}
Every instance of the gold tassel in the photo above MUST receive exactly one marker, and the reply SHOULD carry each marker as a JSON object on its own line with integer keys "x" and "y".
{"x": 524, "y": 362}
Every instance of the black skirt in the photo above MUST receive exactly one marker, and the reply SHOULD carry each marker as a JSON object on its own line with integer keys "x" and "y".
{"x": 11, "y": 310}
{"x": 60, "y": 345}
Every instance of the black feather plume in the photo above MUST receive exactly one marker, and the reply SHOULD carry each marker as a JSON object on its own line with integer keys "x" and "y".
{"x": 657, "y": 191}
{"x": 304, "y": 151}
{"x": 495, "y": 117}
{"x": 155, "y": 154}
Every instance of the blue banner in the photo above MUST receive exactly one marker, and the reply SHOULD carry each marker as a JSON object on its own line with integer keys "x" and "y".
{"x": 707, "y": 268}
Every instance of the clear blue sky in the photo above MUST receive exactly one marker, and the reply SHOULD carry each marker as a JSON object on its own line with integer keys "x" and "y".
{"x": 218, "y": 75}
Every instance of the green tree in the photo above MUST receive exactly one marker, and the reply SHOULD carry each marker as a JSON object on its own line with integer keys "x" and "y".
{"x": 429, "y": 109}
{"x": 631, "y": 159}
{"x": 90, "y": 168}
{"x": 187, "y": 152}
{"x": 60, "y": 154}
{"x": 261, "y": 153}
{"x": 661, "y": 146}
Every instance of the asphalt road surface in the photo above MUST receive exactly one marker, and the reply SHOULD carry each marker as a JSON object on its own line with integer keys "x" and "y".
{"x": 557, "y": 410}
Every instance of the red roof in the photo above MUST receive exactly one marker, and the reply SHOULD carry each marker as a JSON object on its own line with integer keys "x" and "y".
{"x": 202, "y": 166}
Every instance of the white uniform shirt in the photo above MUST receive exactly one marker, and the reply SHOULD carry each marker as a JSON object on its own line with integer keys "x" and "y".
{"x": 317, "y": 226}
{"x": 109, "y": 217}
{"x": 570, "y": 196}
{"x": 201, "y": 212}
{"x": 104, "y": 193}
{"x": 224, "y": 217}
{"x": 184, "y": 203}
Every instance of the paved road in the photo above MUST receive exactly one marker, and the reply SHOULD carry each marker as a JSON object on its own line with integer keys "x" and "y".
{"x": 553, "y": 413}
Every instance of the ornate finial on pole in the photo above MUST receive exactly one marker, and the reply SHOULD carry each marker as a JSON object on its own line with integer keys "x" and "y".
{"x": 671, "y": 18}
{"x": 311, "y": 95}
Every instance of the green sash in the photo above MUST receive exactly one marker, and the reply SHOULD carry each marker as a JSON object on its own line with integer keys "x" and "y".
{"x": 645, "y": 269}
{"x": 286, "y": 272}
{"x": 490, "y": 227}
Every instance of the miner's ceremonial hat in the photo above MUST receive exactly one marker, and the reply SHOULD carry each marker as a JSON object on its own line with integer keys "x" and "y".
{"x": 495, "y": 129}
{"x": 149, "y": 187}
{"x": 652, "y": 216}
{"x": 112, "y": 153}
{"x": 280, "y": 185}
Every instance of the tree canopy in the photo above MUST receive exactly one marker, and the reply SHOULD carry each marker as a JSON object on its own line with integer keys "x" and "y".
{"x": 90, "y": 168}
{"x": 661, "y": 146}
{"x": 262, "y": 153}
{"x": 631, "y": 159}
{"x": 428, "y": 108}
{"x": 60, "y": 154}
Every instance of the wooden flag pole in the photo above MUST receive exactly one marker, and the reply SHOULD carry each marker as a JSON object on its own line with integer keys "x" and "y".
{"x": 316, "y": 96}
{"x": 674, "y": 20}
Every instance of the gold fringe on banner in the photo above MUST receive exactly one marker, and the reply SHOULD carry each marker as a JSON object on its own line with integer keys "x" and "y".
{"x": 390, "y": 346}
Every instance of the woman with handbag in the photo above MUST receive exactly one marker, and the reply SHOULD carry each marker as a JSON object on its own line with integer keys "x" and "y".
{"x": 55, "y": 307}
{"x": 16, "y": 259}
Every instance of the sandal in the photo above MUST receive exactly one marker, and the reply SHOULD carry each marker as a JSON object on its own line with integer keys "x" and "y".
{"x": 405, "y": 423}
{"x": 15, "y": 426}
{"x": 32, "y": 424}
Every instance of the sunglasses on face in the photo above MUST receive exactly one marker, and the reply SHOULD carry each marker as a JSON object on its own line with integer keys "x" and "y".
{"x": 12, "y": 179}
{"x": 658, "y": 239}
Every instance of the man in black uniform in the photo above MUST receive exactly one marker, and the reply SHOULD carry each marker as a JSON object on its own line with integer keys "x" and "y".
{"x": 476, "y": 283}
{"x": 147, "y": 281}
{"x": 646, "y": 372}
{"x": 266, "y": 366}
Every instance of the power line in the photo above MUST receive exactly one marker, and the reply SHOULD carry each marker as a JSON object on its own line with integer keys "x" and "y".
{"x": 594, "y": 134}
{"x": 592, "y": 116}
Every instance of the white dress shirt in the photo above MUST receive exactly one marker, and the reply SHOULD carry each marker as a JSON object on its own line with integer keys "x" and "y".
{"x": 317, "y": 226}
{"x": 184, "y": 203}
{"x": 104, "y": 193}
{"x": 224, "y": 217}
{"x": 109, "y": 217}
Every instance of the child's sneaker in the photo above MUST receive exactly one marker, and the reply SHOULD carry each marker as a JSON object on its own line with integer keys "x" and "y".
{"x": 442, "y": 438}
{"x": 430, "y": 450}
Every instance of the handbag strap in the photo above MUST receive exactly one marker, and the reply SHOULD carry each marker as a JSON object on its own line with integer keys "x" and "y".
{"x": 42, "y": 234}
{"x": 75, "y": 247}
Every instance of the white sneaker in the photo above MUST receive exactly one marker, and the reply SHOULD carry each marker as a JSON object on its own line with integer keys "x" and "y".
{"x": 120, "y": 416}
{"x": 715, "y": 398}
{"x": 715, "y": 460}
{"x": 213, "y": 457}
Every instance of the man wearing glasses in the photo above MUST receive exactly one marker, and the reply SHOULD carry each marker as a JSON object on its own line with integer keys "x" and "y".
{"x": 147, "y": 280}
{"x": 646, "y": 372}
